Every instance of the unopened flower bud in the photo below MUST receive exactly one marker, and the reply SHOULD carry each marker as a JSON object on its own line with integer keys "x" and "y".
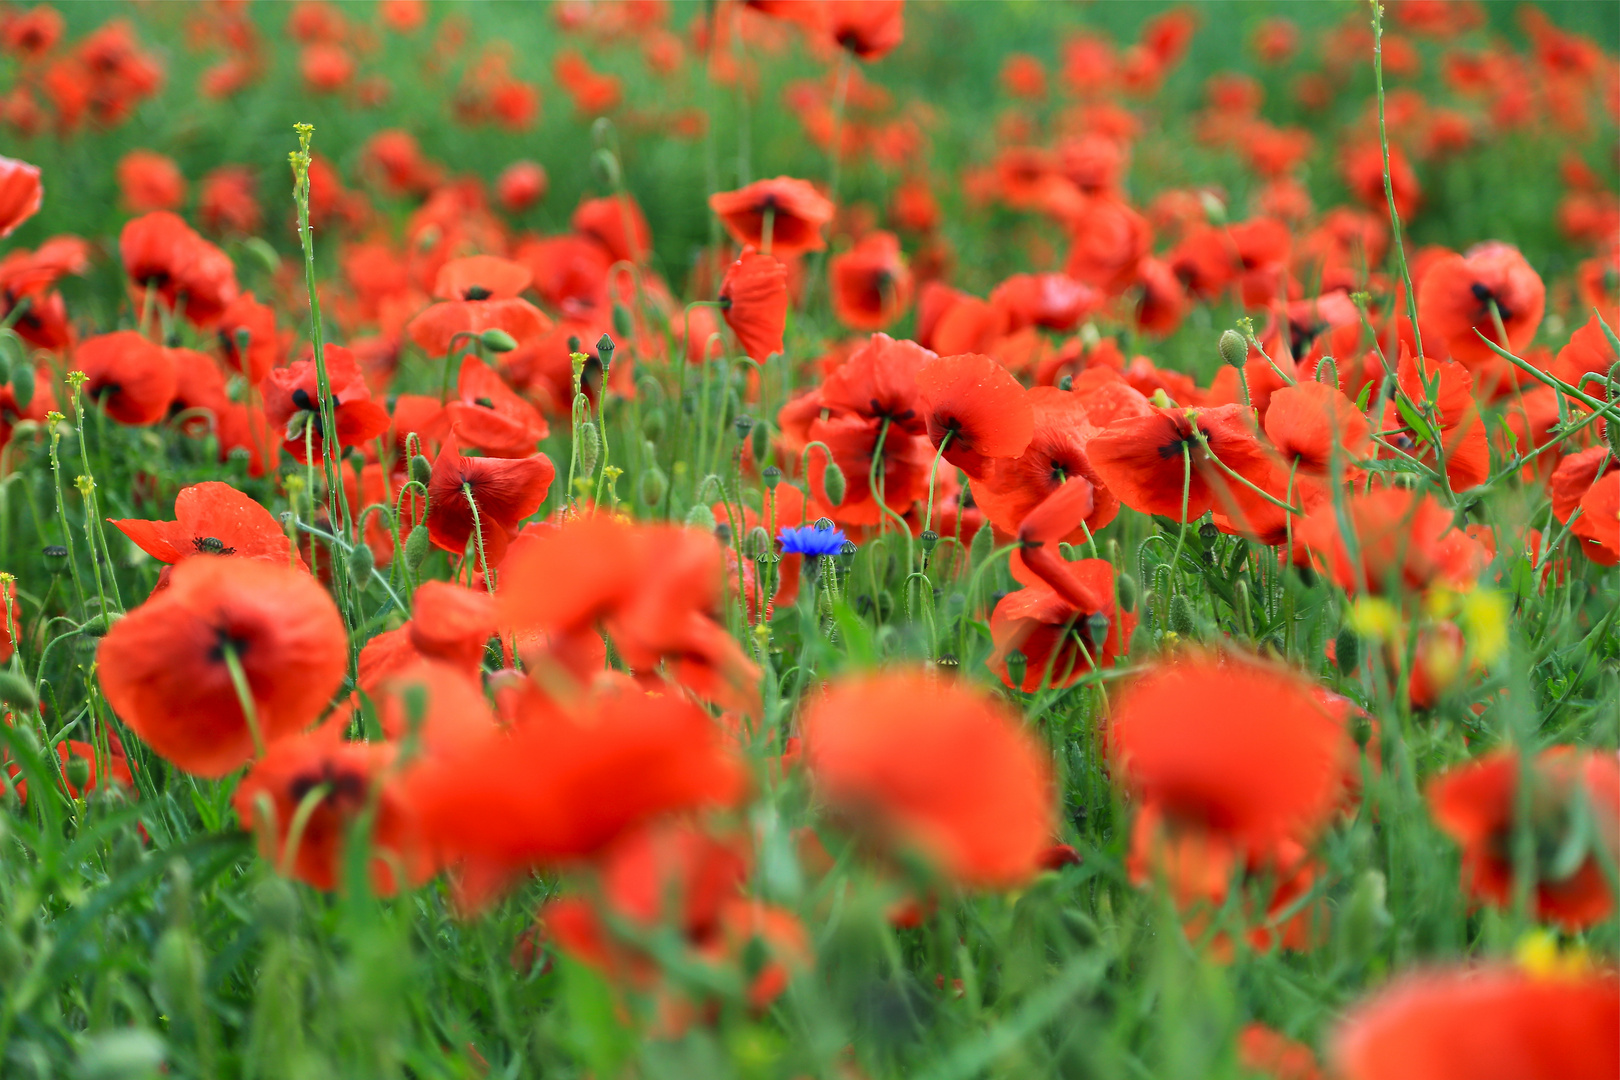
{"x": 984, "y": 542}
{"x": 1127, "y": 591}
{"x": 652, "y": 485}
{"x": 588, "y": 449}
{"x": 1181, "y": 615}
{"x": 17, "y": 691}
{"x": 758, "y": 542}
{"x": 361, "y": 560}
{"x": 497, "y": 340}
{"x": 1347, "y": 651}
{"x": 77, "y": 772}
{"x": 700, "y": 517}
{"x": 1234, "y": 350}
{"x": 22, "y": 384}
{"x": 421, "y": 469}
{"x": 832, "y": 481}
{"x": 416, "y": 547}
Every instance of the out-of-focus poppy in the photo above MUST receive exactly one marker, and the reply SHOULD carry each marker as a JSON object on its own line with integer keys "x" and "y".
{"x": 212, "y": 518}
{"x": 617, "y": 223}
{"x": 132, "y": 378}
{"x": 521, "y": 185}
{"x": 1488, "y": 1023}
{"x": 1156, "y": 464}
{"x": 1461, "y": 427}
{"x": 1362, "y": 166}
{"x": 1109, "y": 238}
{"x": 247, "y": 338}
{"x": 870, "y": 283}
{"x": 483, "y": 495}
{"x": 505, "y": 802}
{"x": 150, "y": 181}
{"x": 869, "y": 29}
{"x": 936, "y": 766}
{"x": 1274, "y": 1055}
{"x": 325, "y": 783}
{"x": 487, "y": 414}
{"x": 975, "y": 410}
{"x": 754, "y": 302}
{"x": 165, "y": 672}
{"x": 228, "y": 202}
{"x": 795, "y": 210}
{"x": 291, "y": 405}
{"x": 1571, "y": 794}
{"x": 1403, "y": 540}
{"x": 478, "y": 293}
{"x": 1598, "y": 527}
{"x": 20, "y": 194}
{"x": 1312, "y": 424}
{"x": 163, "y": 257}
{"x": 1588, "y": 353}
{"x": 1457, "y": 294}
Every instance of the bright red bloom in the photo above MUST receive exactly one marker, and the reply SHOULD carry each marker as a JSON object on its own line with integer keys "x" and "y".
{"x": 489, "y": 495}
{"x": 754, "y": 301}
{"x": 20, "y": 194}
{"x": 871, "y": 284}
{"x": 1598, "y": 527}
{"x": 617, "y": 223}
{"x": 797, "y": 212}
{"x": 869, "y": 29}
{"x": 1404, "y": 540}
{"x": 164, "y": 672}
{"x": 1275, "y": 1055}
{"x": 212, "y": 518}
{"x": 228, "y": 202}
{"x": 291, "y": 396}
{"x": 1057, "y": 455}
{"x": 487, "y": 414}
{"x": 161, "y": 253}
{"x": 344, "y": 778}
{"x": 1488, "y": 1023}
{"x": 1061, "y": 642}
{"x": 1461, "y": 426}
{"x": 1456, "y": 295}
{"x": 521, "y": 185}
{"x": 247, "y": 338}
{"x": 1109, "y": 240}
{"x": 1313, "y": 424}
{"x": 1363, "y": 169}
{"x": 1476, "y": 804}
{"x": 150, "y": 181}
{"x": 505, "y": 802}
{"x": 976, "y": 409}
{"x": 1155, "y": 462}
{"x": 923, "y": 763}
{"x": 1588, "y": 353}
{"x": 480, "y": 292}
{"x": 132, "y": 378}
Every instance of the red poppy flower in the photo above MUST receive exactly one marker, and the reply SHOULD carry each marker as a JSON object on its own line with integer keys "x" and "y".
{"x": 132, "y": 378}
{"x": 1476, "y": 804}
{"x": 1404, "y": 540}
{"x": 505, "y": 802}
{"x": 869, "y": 29}
{"x": 162, "y": 255}
{"x": 228, "y": 202}
{"x": 1456, "y": 295}
{"x": 1488, "y": 1023}
{"x": 976, "y": 409}
{"x": 521, "y": 185}
{"x": 1056, "y": 456}
{"x": 796, "y": 210}
{"x": 1274, "y": 1055}
{"x": 1311, "y": 423}
{"x": 480, "y": 292}
{"x": 487, "y": 414}
{"x": 150, "y": 181}
{"x": 617, "y": 223}
{"x": 655, "y": 590}
{"x": 340, "y": 780}
{"x": 1234, "y": 747}
{"x": 1462, "y": 427}
{"x": 164, "y": 672}
{"x": 247, "y": 338}
{"x": 754, "y": 301}
{"x": 490, "y": 494}
{"x": 1061, "y": 643}
{"x": 1598, "y": 527}
{"x": 1362, "y": 166}
{"x": 212, "y": 518}
{"x": 1588, "y": 353}
{"x": 452, "y": 624}
{"x": 1109, "y": 238}
{"x": 1155, "y": 462}
{"x": 20, "y": 194}
{"x": 290, "y": 405}
{"x": 32, "y": 33}
{"x": 937, "y": 766}
{"x": 871, "y": 285}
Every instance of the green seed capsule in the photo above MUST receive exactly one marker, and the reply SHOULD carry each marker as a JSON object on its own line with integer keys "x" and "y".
{"x": 984, "y": 543}
{"x": 77, "y": 772}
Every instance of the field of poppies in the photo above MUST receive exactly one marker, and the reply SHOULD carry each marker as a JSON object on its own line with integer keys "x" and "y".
{"x": 810, "y": 538}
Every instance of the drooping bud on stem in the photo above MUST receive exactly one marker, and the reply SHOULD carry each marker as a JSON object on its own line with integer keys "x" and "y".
{"x": 1234, "y": 349}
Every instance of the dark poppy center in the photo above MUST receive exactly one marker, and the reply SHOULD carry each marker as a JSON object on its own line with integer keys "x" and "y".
{"x": 1486, "y": 297}
{"x": 476, "y": 292}
{"x": 345, "y": 788}
{"x": 225, "y": 640}
{"x": 488, "y": 403}
{"x": 1176, "y": 447}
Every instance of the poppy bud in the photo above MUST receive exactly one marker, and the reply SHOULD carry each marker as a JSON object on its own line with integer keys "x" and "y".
{"x": 77, "y": 772}
{"x": 758, "y": 543}
{"x": 652, "y": 486}
{"x": 421, "y": 469}
{"x": 722, "y": 533}
{"x": 929, "y": 539}
{"x": 361, "y": 560}
{"x": 277, "y": 905}
{"x": 1017, "y": 665}
{"x": 1365, "y": 917}
{"x": 1234, "y": 350}
{"x": 497, "y": 340}
{"x": 1097, "y": 628}
{"x": 22, "y": 385}
{"x": 762, "y": 442}
{"x": 1127, "y": 591}
{"x": 1181, "y": 615}
{"x": 623, "y": 323}
{"x": 700, "y": 517}
{"x": 652, "y": 423}
{"x": 416, "y": 547}
{"x": 260, "y": 249}
{"x": 984, "y": 542}
{"x": 589, "y": 448}
{"x": 1347, "y": 651}
{"x": 177, "y": 970}
{"x": 16, "y": 691}
{"x": 772, "y": 476}
{"x": 743, "y": 424}
{"x": 832, "y": 481}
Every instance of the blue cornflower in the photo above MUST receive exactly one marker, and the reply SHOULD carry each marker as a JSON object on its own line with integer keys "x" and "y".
{"x": 809, "y": 540}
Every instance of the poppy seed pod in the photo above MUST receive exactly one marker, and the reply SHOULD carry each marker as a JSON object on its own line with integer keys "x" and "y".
{"x": 497, "y": 340}
{"x": 605, "y": 346}
{"x": 929, "y": 540}
{"x": 772, "y": 476}
{"x": 833, "y": 483}
{"x": 1234, "y": 350}
{"x": 1097, "y": 626}
{"x": 1017, "y": 665}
